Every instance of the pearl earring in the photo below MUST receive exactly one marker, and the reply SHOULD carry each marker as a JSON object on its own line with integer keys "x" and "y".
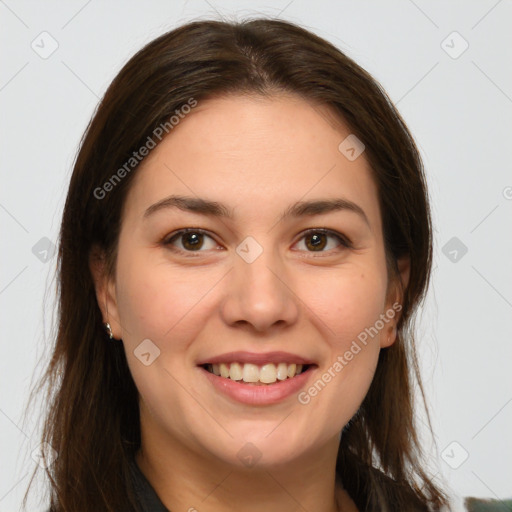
{"x": 109, "y": 330}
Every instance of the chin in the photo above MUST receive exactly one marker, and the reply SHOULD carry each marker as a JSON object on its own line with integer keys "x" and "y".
{"x": 264, "y": 447}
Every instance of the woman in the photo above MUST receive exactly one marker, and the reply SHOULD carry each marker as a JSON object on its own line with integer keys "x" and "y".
{"x": 245, "y": 241}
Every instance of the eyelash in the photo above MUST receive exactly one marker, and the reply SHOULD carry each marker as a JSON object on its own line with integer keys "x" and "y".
{"x": 343, "y": 240}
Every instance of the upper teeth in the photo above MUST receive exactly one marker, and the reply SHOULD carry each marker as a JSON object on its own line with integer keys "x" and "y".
{"x": 267, "y": 374}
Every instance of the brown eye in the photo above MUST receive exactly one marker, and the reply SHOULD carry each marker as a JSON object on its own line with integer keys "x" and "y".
{"x": 191, "y": 240}
{"x": 316, "y": 240}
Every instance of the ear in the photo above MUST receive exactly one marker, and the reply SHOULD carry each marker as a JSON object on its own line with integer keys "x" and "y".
{"x": 395, "y": 296}
{"x": 105, "y": 290}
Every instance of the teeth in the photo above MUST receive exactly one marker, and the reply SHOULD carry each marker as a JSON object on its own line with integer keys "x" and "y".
{"x": 252, "y": 373}
{"x": 268, "y": 373}
{"x": 235, "y": 372}
{"x": 282, "y": 371}
{"x": 224, "y": 370}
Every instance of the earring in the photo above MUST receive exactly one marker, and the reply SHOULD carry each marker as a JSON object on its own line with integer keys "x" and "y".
{"x": 109, "y": 330}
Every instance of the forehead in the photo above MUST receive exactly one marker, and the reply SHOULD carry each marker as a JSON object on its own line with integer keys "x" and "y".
{"x": 255, "y": 153}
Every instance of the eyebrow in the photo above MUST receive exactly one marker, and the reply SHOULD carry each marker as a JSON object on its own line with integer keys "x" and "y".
{"x": 215, "y": 209}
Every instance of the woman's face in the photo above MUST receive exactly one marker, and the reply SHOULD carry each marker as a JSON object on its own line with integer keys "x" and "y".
{"x": 256, "y": 281}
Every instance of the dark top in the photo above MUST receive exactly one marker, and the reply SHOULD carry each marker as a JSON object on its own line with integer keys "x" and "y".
{"x": 148, "y": 498}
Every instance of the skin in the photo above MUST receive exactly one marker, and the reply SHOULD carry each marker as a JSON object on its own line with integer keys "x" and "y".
{"x": 257, "y": 156}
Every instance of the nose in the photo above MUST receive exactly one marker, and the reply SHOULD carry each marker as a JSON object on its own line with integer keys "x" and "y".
{"x": 259, "y": 295}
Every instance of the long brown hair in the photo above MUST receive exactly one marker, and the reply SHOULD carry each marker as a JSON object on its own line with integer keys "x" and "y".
{"x": 93, "y": 417}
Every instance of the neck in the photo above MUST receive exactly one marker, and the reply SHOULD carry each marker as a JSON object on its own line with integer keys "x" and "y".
{"x": 188, "y": 479}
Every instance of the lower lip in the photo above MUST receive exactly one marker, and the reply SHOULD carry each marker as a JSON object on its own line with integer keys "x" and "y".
{"x": 266, "y": 394}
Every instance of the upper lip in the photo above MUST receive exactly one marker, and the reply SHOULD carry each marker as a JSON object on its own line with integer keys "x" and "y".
{"x": 256, "y": 358}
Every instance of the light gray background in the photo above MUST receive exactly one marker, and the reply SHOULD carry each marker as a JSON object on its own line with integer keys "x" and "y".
{"x": 459, "y": 110}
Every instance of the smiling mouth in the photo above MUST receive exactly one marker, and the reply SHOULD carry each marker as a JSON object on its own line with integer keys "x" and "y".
{"x": 257, "y": 375}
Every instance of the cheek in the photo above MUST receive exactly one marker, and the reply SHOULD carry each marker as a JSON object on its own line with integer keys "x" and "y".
{"x": 167, "y": 304}
{"x": 347, "y": 309}
{"x": 348, "y": 302}
{"x": 151, "y": 298}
